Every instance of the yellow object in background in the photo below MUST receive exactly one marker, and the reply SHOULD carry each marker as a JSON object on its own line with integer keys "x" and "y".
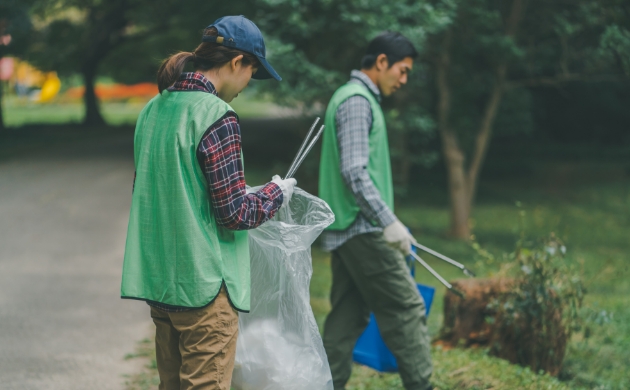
{"x": 50, "y": 87}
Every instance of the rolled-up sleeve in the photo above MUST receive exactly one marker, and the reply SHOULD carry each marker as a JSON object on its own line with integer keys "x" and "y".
{"x": 354, "y": 121}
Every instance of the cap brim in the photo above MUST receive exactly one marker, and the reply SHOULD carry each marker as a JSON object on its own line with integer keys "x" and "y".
{"x": 266, "y": 71}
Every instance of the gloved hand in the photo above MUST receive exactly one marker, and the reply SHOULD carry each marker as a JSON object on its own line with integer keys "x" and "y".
{"x": 286, "y": 186}
{"x": 397, "y": 235}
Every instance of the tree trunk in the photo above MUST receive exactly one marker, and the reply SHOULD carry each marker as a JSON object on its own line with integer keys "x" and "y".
{"x": 462, "y": 183}
{"x": 454, "y": 157}
{"x": 459, "y": 194}
{"x": 108, "y": 24}
{"x": 482, "y": 140}
{"x": 93, "y": 115}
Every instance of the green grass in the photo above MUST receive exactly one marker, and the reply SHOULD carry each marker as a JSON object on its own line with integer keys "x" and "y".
{"x": 594, "y": 221}
{"x": 18, "y": 112}
{"x": 147, "y": 377}
{"x": 592, "y": 217}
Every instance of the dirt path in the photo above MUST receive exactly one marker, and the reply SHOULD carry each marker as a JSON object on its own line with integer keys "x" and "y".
{"x": 64, "y": 203}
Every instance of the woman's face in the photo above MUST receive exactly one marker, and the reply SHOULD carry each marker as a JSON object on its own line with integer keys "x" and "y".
{"x": 235, "y": 77}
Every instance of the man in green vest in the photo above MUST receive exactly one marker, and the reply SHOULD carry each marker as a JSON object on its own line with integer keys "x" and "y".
{"x": 367, "y": 241}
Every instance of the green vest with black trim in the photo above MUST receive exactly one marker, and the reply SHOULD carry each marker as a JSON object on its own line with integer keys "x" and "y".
{"x": 332, "y": 188}
{"x": 176, "y": 254}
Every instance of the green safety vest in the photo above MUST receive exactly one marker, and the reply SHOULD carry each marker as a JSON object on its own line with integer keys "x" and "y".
{"x": 332, "y": 188}
{"x": 176, "y": 253}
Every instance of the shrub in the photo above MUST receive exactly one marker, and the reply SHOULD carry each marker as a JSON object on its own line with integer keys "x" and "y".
{"x": 535, "y": 318}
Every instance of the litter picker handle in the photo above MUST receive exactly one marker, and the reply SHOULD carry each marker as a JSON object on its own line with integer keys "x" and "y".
{"x": 304, "y": 143}
{"x": 442, "y": 257}
{"x": 308, "y": 149}
{"x": 437, "y": 276}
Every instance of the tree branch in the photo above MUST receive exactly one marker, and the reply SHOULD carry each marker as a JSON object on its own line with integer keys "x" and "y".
{"x": 492, "y": 106}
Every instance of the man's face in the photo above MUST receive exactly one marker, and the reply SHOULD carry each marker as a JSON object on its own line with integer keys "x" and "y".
{"x": 390, "y": 79}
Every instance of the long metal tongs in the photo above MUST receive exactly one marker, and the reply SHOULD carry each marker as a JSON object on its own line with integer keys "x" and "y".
{"x": 304, "y": 149}
{"x": 442, "y": 257}
{"x": 437, "y": 276}
{"x": 297, "y": 156}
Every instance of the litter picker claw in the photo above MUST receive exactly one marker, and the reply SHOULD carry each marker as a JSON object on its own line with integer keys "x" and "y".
{"x": 447, "y": 259}
{"x": 437, "y": 276}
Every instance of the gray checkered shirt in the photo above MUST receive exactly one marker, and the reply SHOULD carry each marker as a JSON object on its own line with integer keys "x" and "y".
{"x": 354, "y": 121}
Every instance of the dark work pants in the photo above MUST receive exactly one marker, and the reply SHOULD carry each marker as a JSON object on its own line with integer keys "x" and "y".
{"x": 369, "y": 275}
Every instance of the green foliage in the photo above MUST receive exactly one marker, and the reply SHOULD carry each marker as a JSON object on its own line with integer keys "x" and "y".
{"x": 615, "y": 46}
{"x": 544, "y": 283}
{"x": 328, "y": 39}
{"x": 15, "y": 21}
{"x": 316, "y": 43}
{"x": 537, "y": 315}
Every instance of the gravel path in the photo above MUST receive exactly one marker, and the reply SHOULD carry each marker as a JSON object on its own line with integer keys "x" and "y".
{"x": 64, "y": 204}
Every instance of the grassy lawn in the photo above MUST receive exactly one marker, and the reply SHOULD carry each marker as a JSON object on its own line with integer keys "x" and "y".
{"x": 594, "y": 221}
{"x": 23, "y": 112}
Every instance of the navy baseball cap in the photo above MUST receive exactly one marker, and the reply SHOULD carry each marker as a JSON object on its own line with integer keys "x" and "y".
{"x": 242, "y": 34}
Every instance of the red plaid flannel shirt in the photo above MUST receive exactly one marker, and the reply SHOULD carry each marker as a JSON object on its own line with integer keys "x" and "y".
{"x": 219, "y": 155}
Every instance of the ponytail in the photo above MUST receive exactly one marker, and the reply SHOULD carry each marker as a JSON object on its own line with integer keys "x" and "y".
{"x": 171, "y": 68}
{"x": 208, "y": 55}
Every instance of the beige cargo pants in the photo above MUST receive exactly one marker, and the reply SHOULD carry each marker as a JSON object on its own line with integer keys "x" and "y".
{"x": 196, "y": 349}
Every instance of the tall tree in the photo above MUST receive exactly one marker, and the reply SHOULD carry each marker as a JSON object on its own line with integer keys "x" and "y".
{"x": 494, "y": 48}
{"x": 478, "y": 58}
{"x": 128, "y": 36}
{"x": 76, "y": 35}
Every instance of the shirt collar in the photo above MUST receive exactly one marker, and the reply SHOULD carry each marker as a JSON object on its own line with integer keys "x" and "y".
{"x": 193, "y": 81}
{"x": 365, "y": 80}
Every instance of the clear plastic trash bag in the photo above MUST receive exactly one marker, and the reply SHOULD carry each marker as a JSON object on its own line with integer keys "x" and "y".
{"x": 279, "y": 346}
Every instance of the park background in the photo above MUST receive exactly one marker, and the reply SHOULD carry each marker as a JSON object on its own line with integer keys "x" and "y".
{"x": 515, "y": 123}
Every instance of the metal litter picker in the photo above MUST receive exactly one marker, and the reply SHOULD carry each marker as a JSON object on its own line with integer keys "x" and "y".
{"x": 302, "y": 153}
{"x": 447, "y": 259}
{"x": 434, "y": 273}
{"x": 437, "y": 276}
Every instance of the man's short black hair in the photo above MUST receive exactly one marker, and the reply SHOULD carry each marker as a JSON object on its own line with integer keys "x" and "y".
{"x": 393, "y": 44}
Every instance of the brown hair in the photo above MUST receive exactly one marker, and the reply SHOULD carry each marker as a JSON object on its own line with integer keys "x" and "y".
{"x": 208, "y": 55}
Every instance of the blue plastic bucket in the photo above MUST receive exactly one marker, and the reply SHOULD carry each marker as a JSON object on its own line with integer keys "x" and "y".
{"x": 371, "y": 350}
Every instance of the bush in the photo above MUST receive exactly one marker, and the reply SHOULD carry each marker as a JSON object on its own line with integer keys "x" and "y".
{"x": 536, "y": 317}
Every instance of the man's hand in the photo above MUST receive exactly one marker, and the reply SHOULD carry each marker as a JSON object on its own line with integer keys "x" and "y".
{"x": 397, "y": 235}
{"x": 286, "y": 186}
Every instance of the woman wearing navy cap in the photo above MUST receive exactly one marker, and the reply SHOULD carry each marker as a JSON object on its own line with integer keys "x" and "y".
{"x": 187, "y": 252}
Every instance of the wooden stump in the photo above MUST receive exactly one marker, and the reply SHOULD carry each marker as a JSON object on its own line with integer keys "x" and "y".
{"x": 474, "y": 321}
{"x": 465, "y": 321}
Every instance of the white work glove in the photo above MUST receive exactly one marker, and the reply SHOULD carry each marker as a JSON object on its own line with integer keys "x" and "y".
{"x": 286, "y": 186}
{"x": 397, "y": 235}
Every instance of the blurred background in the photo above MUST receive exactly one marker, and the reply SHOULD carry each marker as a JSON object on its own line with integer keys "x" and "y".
{"x": 515, "y": 123}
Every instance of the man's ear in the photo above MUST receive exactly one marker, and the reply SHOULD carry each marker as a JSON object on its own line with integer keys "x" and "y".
{"x": 381, "y": 62}
{"x": 236, "y": 62}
